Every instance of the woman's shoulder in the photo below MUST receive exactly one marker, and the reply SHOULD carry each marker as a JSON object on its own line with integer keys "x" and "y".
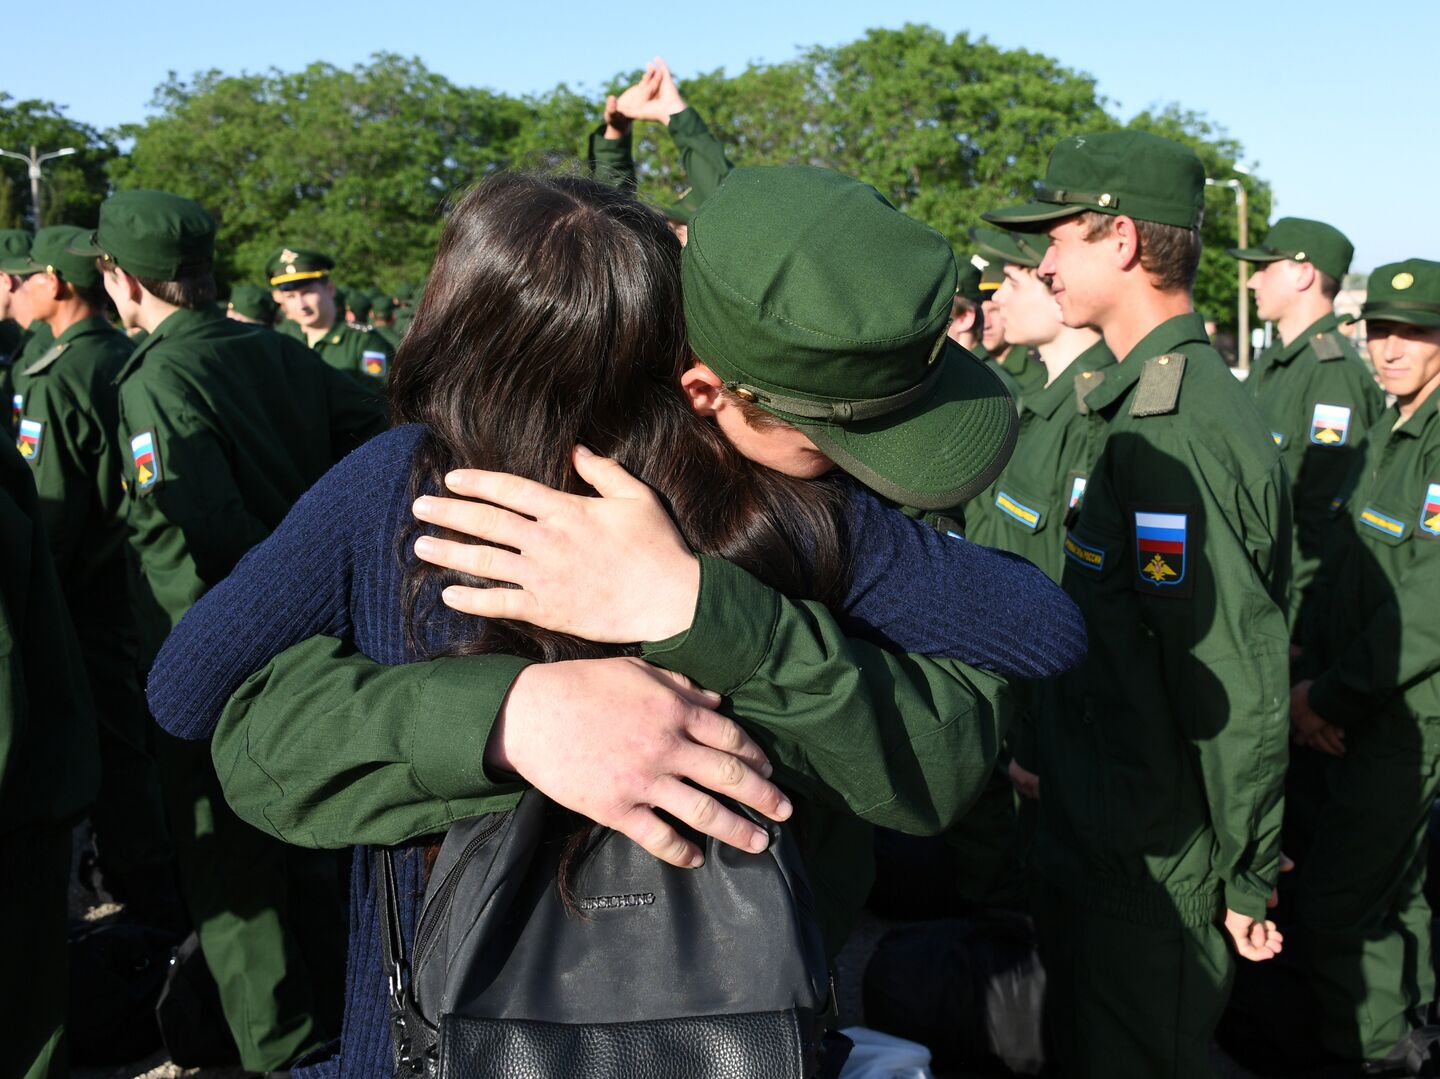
{"x": 371, "y": 476}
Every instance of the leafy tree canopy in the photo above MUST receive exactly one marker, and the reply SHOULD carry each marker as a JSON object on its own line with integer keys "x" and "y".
{"x": 71, "y": 187}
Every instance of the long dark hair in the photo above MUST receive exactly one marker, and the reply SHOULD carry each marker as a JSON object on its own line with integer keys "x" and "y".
{"x": 553, "y": 317}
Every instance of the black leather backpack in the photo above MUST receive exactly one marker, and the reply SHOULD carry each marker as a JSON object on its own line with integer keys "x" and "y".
{"x": 652, "y": 972}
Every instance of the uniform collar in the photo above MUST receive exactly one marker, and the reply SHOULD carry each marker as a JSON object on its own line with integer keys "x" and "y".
{"x": 88, "y": 325}
{"x": 176, "y": 324}
{"x": 1286, "y": 353}
{"x": 1186, "y": 329}
{"x": 1046, "y": 401}
{"x": 1422, "y": 419}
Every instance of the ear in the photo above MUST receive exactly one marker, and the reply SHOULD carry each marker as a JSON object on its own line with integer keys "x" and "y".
{"x": 54, "y": 287}
{"x": 133, "y": 291}
{"x": 1126, "y": 238}
{"x": 964, "y": 322}
{"x": 1304, "y": 275}
{"x": 701, "y": 387}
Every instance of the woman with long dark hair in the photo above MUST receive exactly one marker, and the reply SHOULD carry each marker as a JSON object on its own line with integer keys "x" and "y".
{"x": 553, "y": 318}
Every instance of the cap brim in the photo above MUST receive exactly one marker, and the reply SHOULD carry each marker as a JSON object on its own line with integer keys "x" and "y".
{"x": 939, "y": 452}
{"x": 1254, "y": 254}
{"x": 1398, "y": 313}
{"x": 1033, "y": 213}
{"x": 88, "y": 247}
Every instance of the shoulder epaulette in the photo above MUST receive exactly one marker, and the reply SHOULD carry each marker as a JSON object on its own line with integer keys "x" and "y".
{"x": 1086, "y": 381}
{"x": 46, "y": 360}
{"x": 1159, "y": 387}
{"x": 1327, "y": 346}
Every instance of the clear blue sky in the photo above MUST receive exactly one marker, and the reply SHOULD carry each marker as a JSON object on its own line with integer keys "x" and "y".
{"x": 1335, "y": 102}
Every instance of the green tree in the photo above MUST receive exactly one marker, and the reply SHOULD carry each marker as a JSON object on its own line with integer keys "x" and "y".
{"x": 356, "y": 163}
{"x": 72, "y": 187}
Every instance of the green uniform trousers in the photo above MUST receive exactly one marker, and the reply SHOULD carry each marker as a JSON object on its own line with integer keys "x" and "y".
{"x": 1128, "y": 999}
{"x": 33, "y": 910}
{"x": 271, "y": 917}
{"x": 1359, "y": 901}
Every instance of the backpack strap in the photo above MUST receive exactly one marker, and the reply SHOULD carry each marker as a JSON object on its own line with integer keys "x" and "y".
{"x": 392, "y": 934}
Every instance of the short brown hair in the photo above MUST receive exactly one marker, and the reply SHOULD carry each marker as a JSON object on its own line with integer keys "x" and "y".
{"x": 961, "y": 304}
{"x": 192, "y": 289}
{"x": 1168, "y": 253}
{"x": 755, "y": 416}
{"x": 1329, "y": 286}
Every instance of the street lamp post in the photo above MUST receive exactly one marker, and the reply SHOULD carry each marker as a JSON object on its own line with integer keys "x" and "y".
{"x": 1242, "y": 344}
{"x": 34, "y": 161}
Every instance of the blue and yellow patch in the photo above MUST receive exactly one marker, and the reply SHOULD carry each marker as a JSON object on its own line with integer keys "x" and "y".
{"x": 1430, "y": 511}
{"x": 1010, "y": 506}
{"x": 373, "y": 364}
{"x": 147, "y": 461}
{"x": 30, "y": 440}
{"x": 1382, "y": 522}
{"x": 1082, "y": 554}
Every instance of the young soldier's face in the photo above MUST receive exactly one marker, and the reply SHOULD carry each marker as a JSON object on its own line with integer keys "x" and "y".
{"x": 1032, "y": 317}
{"x": 1274, "y": 286}
{"x": 7, "y": 284}
{"x": 1406, "y": 357}
{"x": 1079, "y": 271}
{"x": 312, "y": 305}
{"x": 993, "y": 336}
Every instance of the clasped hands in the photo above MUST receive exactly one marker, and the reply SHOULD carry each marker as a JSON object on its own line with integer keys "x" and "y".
{"x": 654, "y": 97}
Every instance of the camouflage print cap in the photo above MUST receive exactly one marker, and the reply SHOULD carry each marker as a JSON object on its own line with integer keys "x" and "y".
{"x": 291, "y": 267}
{"x": 1114, "y": 172}
{"x": 819, "y": 302}
{"x": 152, "y": 234}
{"x": 1015, "y": 248}
{"x": 1406, "y": 291}
{"x": 1323, "y": 246}
{"x": 50, "y": 253}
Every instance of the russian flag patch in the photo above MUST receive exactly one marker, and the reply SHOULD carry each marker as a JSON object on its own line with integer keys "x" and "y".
{"x": 147, "y": 461}
{"x": 32, "y": 433}
{"x": 1330, "y": 425}
{"x": 1161, "y": 545}
{"x": 373, "y": 363}
{"x": 1430, "y": 514}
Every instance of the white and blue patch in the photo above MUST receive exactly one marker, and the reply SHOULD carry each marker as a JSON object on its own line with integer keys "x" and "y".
{"x": 1330, "y": 425}
{"x": 1077, "y": 491}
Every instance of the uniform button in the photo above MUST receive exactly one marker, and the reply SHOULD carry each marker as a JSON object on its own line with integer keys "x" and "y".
{"x": 744, "y": 394}
{"x": 1164, "y": 360}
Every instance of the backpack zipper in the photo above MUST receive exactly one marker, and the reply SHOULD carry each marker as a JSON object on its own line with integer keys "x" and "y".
{"x": 441, "y": 900}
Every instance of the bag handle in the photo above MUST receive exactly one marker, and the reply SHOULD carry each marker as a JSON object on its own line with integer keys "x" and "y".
{"x": 392, "y": 935}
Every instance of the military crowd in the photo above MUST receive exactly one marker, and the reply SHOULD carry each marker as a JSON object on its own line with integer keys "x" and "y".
{"x": 1243, "y": 767}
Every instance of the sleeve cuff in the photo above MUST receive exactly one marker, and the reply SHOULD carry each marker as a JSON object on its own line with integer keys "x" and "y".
{"x": 1243, "y": 901}
{"x": 1337, "y": 703}
{"x": 686, "y": 122}
{"x": 734, "y": 624}
{"x": 455, "y": 714}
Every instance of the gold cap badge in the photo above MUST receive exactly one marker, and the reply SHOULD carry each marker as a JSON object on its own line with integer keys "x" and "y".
{"x": 1402, "y": 281}
{"x": 288, "y": 256}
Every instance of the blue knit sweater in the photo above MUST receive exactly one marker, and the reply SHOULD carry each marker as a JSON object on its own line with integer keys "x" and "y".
{"x": 332, "y": 567}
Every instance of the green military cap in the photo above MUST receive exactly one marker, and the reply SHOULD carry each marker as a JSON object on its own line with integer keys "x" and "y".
{"x": 358, "y": 302}
{"x": 50, "y": 252}
{"x": 990, "y": 274}
{"x": 404, "y": 291}
{"x": 381, "y": 303}
{"x": 968, "y": 285}
{"x": 1323, "y": 246}
{"x": 1406, "y": 291}
{"x": 1016, "y": 248}
{"x": 294, "y": 266}
{"x": 152, "y": 234}
{"x": 815, "y": 299}
{"x": 14, "y": 248}
{"x": 252, "y": 301}
{"x": 1115, "y": 172}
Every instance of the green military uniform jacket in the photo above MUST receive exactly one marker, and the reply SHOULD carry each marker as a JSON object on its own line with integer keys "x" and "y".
{"x": 1162, "y": 756}
{"x": 11, "y": 338}
{"x": 1028, "y": 508}
{"x": 222, "y": 426}
{"x": 49, "y": 762}
{"x": 35, "y": 341}
{"x": 1319, "y": 399}
{"x": 910, "y": 740}
{"x": 364, "y": 354}
{"x": 1372, "y": 641}
{"x": 1027, "y": 372}
{"x": 702, "y": 156}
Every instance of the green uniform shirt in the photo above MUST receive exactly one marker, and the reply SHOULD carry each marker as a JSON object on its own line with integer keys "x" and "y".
{"x": 363, "y": 354}
{"x": 1027, "y": 508}
{"x": 1374, "y": 637}
{"x": 702, "y": 156}
{"x": 35, "y": 341}
{"x": 326, "y": 748}
{"x": 1319, "y": 399}
{"x": 49, "y": 763}
{"x": 1027, "y": 372}
{"x": 1162, "y": 756}
{"x": 223, "y": 426}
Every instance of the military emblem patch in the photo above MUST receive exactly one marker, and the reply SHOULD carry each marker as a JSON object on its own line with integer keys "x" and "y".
{"x": 1082, "y": 554}
{"x": 17, "y": 406}
{"x": 1028, "y": 517}
{"x": 1278, "y": 437}
{"x": 1077, "y": 490}
{"x": 147, "y": 461}
{"x": 1330, "y": 425}
{"x": 1382, "y": 522}
{"x": 373, "y": 364}
{"x": 32, "y": 433}
{"x": 1161, "y": 540}
{"x": 1430, "y": 512}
